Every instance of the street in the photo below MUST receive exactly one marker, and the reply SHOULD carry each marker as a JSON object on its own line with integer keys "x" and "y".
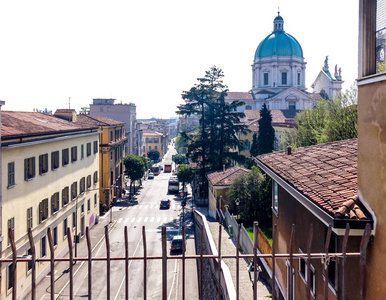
{"x": 143, "y": 210}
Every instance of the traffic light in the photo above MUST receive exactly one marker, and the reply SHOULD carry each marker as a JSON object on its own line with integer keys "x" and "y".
{"x": 183, "y": 203}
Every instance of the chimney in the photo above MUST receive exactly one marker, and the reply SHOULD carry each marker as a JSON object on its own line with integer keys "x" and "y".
{"x": 289, "y": 150}
{"x": 223, "y": 168}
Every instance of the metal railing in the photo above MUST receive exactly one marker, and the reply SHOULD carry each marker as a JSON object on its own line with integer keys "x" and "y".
{"x": 200, "y": 258}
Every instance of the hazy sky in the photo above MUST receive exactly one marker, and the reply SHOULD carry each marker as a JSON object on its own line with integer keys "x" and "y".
{"x": 148, "y": 52}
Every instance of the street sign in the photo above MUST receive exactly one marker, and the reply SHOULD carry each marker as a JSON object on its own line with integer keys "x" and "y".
{"x": 181, "y": 194}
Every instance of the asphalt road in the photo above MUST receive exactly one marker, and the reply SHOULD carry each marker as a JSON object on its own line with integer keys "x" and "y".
{"x": 141, "y": 212}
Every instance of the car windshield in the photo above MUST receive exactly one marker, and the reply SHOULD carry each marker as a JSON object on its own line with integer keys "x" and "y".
{"x": 164, "y": 201}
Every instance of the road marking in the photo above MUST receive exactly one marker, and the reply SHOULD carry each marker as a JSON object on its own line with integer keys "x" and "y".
{"x": 171, "y": 218}
{"x": 165, "y": 219}
{"x": 119, "y": 220}
{"x": 126, "y": 220}
{"x": 132, "y": 220}
{"x": 146, "y": 206}
{"x": 145, "y": 220}
{"x": 139, "y": 219}
{"x": 159, "y": 219}
{"x": 152, "y": 220}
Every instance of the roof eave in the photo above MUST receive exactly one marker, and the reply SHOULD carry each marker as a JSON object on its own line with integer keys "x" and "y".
{"x": 338, "y": 225}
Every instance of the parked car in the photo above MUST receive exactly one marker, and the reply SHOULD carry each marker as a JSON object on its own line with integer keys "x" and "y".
{"x": 176, "y": 244}
{"x": 150, "y": 176}
{"x": 165, "y": 203}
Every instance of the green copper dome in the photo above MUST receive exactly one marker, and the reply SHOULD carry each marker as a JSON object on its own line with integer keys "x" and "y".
{"x": 279, "y": 43}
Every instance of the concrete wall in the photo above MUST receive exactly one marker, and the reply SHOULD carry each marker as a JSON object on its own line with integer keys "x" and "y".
{"x": 372, "y": 176}
{"x": 210, "y": 266}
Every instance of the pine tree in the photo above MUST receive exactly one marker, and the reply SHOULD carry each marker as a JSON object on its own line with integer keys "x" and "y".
{"x": 254, "y": 148}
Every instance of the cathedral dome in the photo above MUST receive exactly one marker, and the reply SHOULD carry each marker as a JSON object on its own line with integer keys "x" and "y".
{"x": 279, "y": 43}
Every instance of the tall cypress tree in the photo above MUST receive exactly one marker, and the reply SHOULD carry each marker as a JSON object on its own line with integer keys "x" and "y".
{"x": 266, "y": 135}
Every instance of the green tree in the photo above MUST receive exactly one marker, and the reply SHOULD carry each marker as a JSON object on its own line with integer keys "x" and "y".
{"x": 180, "y": 159}
{"x": 153, "y": 155}
{"x": 254, "y": 148}
{"x": 214, "y": 141}
{"x": 134, "y": 168}
{"x": 181, "y": 143}
{"x": 266, "y": 135}
{"x": 185, "y": 174}
{"x": 254, "y": 193}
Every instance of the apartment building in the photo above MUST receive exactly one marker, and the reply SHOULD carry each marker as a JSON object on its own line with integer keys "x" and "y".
{"x": 153, "y": 140}
{"x": 50, "y": 179}
{"x": 112, "y": 151}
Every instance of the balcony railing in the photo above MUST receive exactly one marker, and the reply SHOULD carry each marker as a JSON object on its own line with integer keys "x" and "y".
{"x": 216, "y": 260}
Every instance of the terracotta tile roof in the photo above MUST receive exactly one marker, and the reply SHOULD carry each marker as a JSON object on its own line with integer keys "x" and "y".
{"x": 238, "y": 96}
{"x": 278, "y": 115}
{"x": 326, "y": 174}
{"x": 20, "y": 123}
{"x": 149, "y": 133}
{"x": 253, "y": 125}
{"x": 227, "y": 177}
{"x": 98, "y": 121}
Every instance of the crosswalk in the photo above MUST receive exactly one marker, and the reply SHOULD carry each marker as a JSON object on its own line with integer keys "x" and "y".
{"x": 176, "y": 206}
{"x": 147, "y": 219}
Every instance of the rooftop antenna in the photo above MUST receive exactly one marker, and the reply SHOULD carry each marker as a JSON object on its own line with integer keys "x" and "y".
{"x": 69, "y": 102}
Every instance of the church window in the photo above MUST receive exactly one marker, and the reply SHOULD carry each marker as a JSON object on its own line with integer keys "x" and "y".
{"x": 284, "y": 78}
{"x": 265, "y": 78}
{"x": 298, "y": 78}
{"x": 292, "y": 105}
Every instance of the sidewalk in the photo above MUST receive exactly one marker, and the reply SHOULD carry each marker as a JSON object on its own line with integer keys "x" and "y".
{"x": 228, "y": 246}
{"x": 97, "y": 236}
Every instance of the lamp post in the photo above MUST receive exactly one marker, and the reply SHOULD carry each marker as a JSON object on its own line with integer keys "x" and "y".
{"x": 237, "y": 201}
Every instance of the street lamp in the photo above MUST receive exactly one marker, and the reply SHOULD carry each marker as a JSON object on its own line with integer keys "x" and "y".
{"x": 237, "y": 201}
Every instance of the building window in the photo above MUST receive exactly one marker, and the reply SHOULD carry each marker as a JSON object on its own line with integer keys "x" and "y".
{"x": 54, "y": 160}
{"x": 29, "y": 218}
{"x": 43, "y": 210}
{"x": 149, "y": 148}
{"x": 29, "y": 168}
{"x": 303, "y": 271}
{"x": 65, "y": 196}
{"x": 155, "y": 147}
{"x": 95, "y": 177}
{"x": 11, "y": 226}
{"x": 29, "y": 263}
{"x": 65, "y": 157}
{"x": 284, "y": 78}
{"x": 292, "y": 105}
{"x": 111, "y": 155}
{"x": 88, "y": 181}
{"x": 88, "y": 205}
{"x": 43, "y": 245}
{"x": 144, "y": 148}
{"x": 54, "y": 203}
{"x": 265, "y": 78}
{"x": 332, "y": 267}
{"x": 10, "y": 273}
{"x": 11, "y": 174}
{"x": 380, "y": 36}
{"x": 156, "y": 140}
{"x": 65, "y": 225}
{"x": 298, "y": 78}
{"x": 73, "y": 219}
{"x": 55, "y": 235}
{"x": 74, "y": 154}
{"x": 88, "y": 149}
{"x": 82, "y": 185}
{"x": 248, "y": 107}
{"x": 290, "y": 276}
{"x": 111, "y": 136}
{"x": 81, "y": 151}
{"x": 95, "y": 147}
{"x": 74, "y": 190}
{"x": 95, "y": 200}
{"x": 275, "y": 198}
{"x": 43, "y": 164}
{"x": 82, "y": 208}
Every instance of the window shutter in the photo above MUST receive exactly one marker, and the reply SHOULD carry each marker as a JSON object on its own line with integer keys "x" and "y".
{"x": 46, "y": 208}
{"x": 26, "y": 169}
{"x": 40, "y": 212}
{"x": 41, "y": 158}
{"x": 33, "y": 167}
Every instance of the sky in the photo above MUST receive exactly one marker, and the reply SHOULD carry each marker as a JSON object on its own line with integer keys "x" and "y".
{"x": 62, "y": 54}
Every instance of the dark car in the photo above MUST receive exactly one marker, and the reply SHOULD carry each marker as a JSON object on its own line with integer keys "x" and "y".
{"x": 176, "y": 244}
{"x": 165, "y": 203}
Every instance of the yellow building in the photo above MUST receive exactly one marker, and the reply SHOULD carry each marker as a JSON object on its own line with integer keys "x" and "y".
{"x": 112, "y": 140}
{"x": 50, "y": 179}
{"x": 153, "y": 140}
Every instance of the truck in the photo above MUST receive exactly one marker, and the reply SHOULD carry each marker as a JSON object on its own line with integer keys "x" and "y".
{"x": 167, "y": 168}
